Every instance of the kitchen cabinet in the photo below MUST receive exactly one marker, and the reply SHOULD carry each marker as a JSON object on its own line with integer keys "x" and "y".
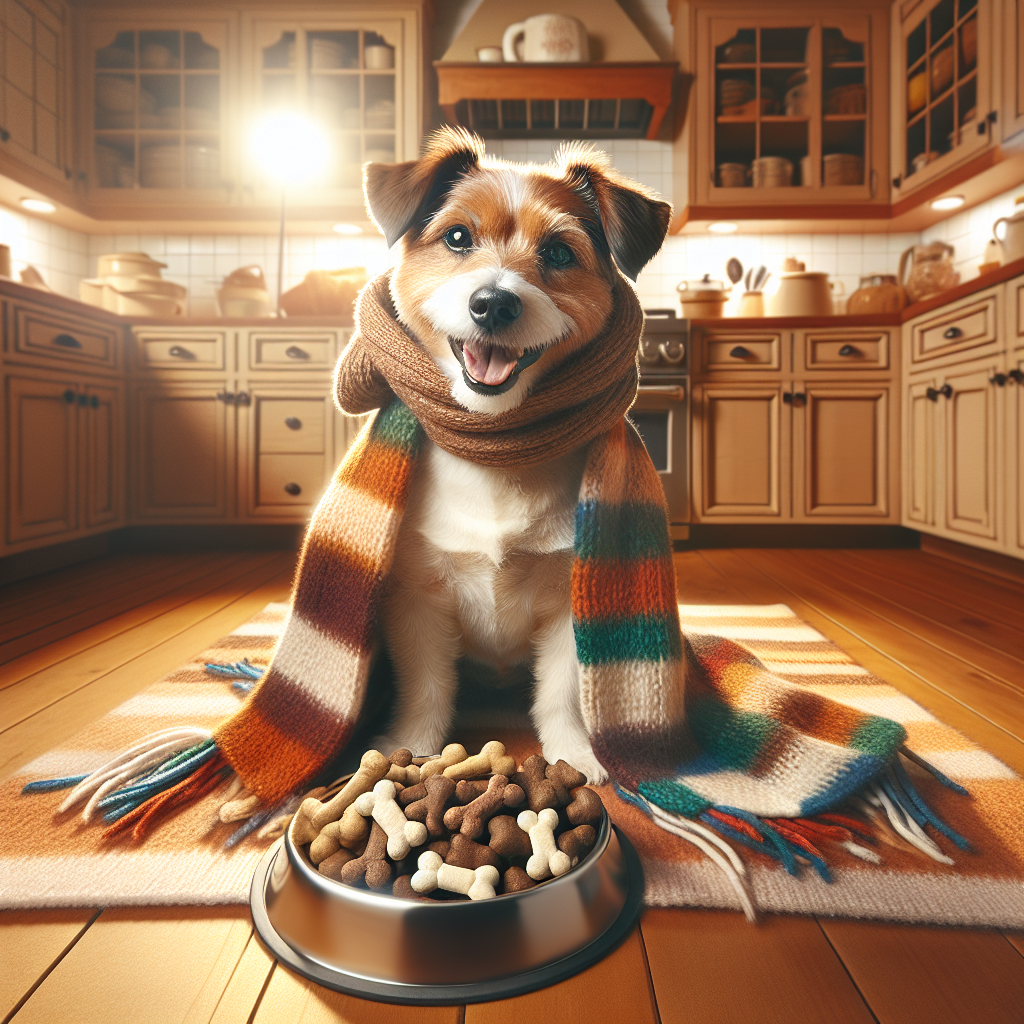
{"x": 1011, "y": 18}
{"x": 1015, "y": 455}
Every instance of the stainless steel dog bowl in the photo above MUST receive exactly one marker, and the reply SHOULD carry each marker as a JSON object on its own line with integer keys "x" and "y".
{"x": 399, "y": 950}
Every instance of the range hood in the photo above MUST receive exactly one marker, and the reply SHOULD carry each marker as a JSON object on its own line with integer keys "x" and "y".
{"x": 624, "y": 91}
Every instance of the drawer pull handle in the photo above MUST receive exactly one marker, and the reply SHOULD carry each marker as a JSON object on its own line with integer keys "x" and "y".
{"x": 999, "y": 378}
{"x": 739, "y": 352}
{"x": 242, "y": 398}
{"x": 952, "y": 332}
{"x": 177, "y": 352}
{"x": 227, "y": 397}
{"x": 1016, "y": 375}
{"x": 293, "y": 423}
{"x": 67, "y": 341}
{"x": 787, "y": 398}
{"x": 69, "y": 397}
{"x": 292, "y": 489}
{"x": 294, "y": 352}
{"x": 946, "y": 391}
{"x": 94, "y": 402}
{"x": 849, "y": 350}
{"x": 799, "y": 398}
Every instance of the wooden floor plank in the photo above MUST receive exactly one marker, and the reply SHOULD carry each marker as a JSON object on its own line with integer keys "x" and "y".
{"x": 713, "y": 967}
{"x": 939, "y": 975}
{"x": 61, "y": 719}
{"x": 242, "y": 994}
{"x": 295, "y": 1000}
{"x": 151, "y": 966}
{"x": 31, "y": 941}
{"x": 1016, "y": 939}
{"x": 870, "y": 649}
{"x": 617, "y": 988}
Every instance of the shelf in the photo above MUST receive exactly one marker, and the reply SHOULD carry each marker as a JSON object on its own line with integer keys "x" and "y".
{"x": 844, "y": 117}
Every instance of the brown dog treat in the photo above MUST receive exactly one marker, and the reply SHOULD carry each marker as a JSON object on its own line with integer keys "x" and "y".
{"x": 492, "y": 759}
{"x": 326, "y": 844}
{"x": 401, "y": 757}
{"x": 412, "y": 793}
{"x": 507, "y": 838}
{"x": 464, "y": 853}
{"x": 402, "y": 769}
{"x": 540, "y": 791}
{"x": 303, "y": 830}
{"x": 577, "y": 842}
{"x": 438, "y": 846}
{"x": 469, "y": 789}
{"x": 353, "y": 828}
{"x": 564, "y": 778}
{"x": 401, "y": 887}
{"x": 585, "y": 808}
{"x": 430, "y": 808}
{"x": 516, "y": 879}
{"x": 373, "y": 766}
{"x": 469, "y": 820}
{"x": 331, "y": 866}
{"x": 452, "y": 754}
{"x": 371, "y": 867}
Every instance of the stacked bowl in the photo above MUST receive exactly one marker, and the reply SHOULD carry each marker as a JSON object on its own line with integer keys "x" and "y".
{"x": 129, "y": 283}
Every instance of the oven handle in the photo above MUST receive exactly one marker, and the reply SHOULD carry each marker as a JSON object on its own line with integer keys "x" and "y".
{"x": 674, "y": 391}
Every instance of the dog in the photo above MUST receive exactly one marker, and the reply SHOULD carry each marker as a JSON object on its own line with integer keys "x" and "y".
{"x": 502, "y": 271}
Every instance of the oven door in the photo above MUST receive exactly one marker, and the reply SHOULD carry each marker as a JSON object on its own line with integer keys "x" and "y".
{"x": 661, "y": 415}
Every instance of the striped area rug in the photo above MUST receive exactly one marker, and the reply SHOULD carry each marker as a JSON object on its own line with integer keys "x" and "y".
{"x": 47, "y": 860}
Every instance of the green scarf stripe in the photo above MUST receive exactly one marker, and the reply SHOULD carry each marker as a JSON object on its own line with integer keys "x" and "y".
{"x": 674, "y": 797}
{"x": 397, "y": 428}
{"x": 643, "y": 638}
{"x": 881, "y": 737}
{"x": 630, "y": 531}
{"x": 733, "y": 738}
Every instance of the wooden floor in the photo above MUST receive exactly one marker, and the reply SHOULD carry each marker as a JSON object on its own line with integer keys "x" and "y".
{"x": 75, "y": 643}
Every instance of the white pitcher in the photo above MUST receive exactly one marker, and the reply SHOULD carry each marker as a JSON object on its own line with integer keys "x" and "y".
{"x": 546, "y": 38}
{"x": 1013, "y": 238}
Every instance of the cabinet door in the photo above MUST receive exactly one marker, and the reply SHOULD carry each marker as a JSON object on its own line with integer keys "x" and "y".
{"x": 184, "y": 437}
{"x": 1015, "y": 464}
{"x": 739, "y": 470}
{"x": 919, "y": 453}
{"x": 841, "y": 451}
{"x": 1012, "y": 21}
{"x": 972, "y": 452}
{"x": 42, "y": 466}
{"x": 101, "y": 428}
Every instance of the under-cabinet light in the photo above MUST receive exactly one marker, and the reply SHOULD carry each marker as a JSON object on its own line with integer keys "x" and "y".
{"x": 290, "y": 149}
{"x": 347, "y": 229}
{"x": 723, "y": 227}
{"x": 38, "y": 205}
{"x": 948, "y": 203}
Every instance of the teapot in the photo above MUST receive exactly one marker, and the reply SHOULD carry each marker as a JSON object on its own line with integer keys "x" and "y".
{"x": 878, "y": 293}
{"x": 551, "y": 38}
{"x": 931, "y": 270}
{"x": 1013, "y": 237}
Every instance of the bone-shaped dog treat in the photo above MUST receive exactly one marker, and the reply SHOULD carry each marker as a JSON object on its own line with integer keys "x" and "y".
{"x": 327, "y": 843}
{"x": 507, "y": 838}
{"x": 516, "y": 879}
{"x": 371, "y": 866}
{"x": 540, "y": 790}
{"x": 464, "y": 853}
{"x": 303, "y": 829}
{"x": 331, "y": 866}
{"x": 353, "y": 828}
{"x": 411, "y": 794}
{"x": 402, "y": 769}
{"x": 469, "y": 819}
{"x": 373, "y": 766}
{"x": 240, "y": 808}
{"x": 381, "y": 804}
{"x": 547, "y": 859}
{"x": 564, "y": 778}
{"x": 577, "y": 842}
{"x": 454, "y": 753}
{"x": 585, "y": 807}
{"x": 491, "y": 759}
{"x": 469, "y": 789}
{"x": 438, "y": 792}
{"x": 434, "y": 874}
{"x": 401, "y": 887}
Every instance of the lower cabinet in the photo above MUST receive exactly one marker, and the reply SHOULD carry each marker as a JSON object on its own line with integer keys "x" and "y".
{"x": 1015, "y": 468}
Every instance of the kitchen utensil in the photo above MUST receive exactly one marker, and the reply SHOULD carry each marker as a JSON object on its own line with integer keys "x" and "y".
{"x": 773, "y": 172}
{"x": 746, "y": 281}
{"x": 703, "y": 298}
{"x": 490, "y": 55}
{"x": 1013, "y": 237}
{"x": 942, "y": 70}
{"x": 761, "y": 278}
{"x": 801, "y": 292}
{"x": 734, "y": 270}
{"x": 379, "y": 57}
{"x": 931, "y": 270}
{"x": 878, "y": 293}
{"x": 128, "y": 264}
{"x": 751, "y": 304}
{"x": 732, "y": 175}
{"x": 549, "y": 38}
{"x": 842, "y": 169}
{"x": 384, "y": 947}
{"x": 917, "y": 92}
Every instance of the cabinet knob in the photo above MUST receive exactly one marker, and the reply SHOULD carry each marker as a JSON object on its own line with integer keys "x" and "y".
{"x": 1000, "y": 379}
{"x": 4, "y": 135}
{"x": 94, "y": 402}
{"x": 179, "y": 352}
{"x": 243, "y": 398}
{"x": 292, "y": 489}
{"x": 294, "y": 352}
{"x": 67, "y": 341}
{"x": 227, "y": 397}
{"x": 849, "y": 350}
{"x": 931, "y": 394}
{"x": 739, "y": 352}
{"x": 799, "y": 398}
{"x": 69, "y": 396}
{"x": 1016, "y": 375}
{"x": 787, "y": 397}
{"x": 946, "y": 391}
{"x": 293, "y": 423}
{"x": 952, "y": 332}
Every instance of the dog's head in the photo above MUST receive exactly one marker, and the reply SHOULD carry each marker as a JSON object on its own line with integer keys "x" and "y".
{"x": 505, "y": 269}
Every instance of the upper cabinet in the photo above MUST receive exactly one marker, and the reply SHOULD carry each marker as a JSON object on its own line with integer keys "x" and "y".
{"x": 1011, "y": 18}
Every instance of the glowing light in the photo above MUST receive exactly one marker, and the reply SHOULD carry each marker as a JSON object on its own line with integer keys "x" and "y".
{"x": 348, "y": 229}
{"x": 948, "y": 203}
{"x": 723, "y": 227}
{"x": 38, "y": 205}
{"x": 289, "y": 148}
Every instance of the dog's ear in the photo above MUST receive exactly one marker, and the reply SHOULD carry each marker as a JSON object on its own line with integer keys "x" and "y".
{"x": 633, "y": 219}
{"x": 402, "y": 196}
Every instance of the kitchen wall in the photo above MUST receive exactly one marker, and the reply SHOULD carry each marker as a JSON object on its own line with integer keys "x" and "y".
{"x": 60, "y": 255}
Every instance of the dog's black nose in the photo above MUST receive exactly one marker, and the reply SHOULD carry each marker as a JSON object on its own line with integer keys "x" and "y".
{"x": 493, "y": 308}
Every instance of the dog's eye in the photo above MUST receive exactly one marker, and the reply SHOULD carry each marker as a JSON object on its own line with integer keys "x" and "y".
{"x": 458, "y": 238}
{"x": 557, "y": 254}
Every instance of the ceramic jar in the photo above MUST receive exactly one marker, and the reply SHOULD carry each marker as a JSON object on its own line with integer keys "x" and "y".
{"x": 878, "y": 293}
{"x": 703, "y": 298}
{"x": 548, "y": 38}
{"x": 801, "y": 293}
{"x": 931, "y": 270}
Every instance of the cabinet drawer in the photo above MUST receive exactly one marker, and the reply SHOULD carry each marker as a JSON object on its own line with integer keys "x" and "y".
{"x": 181, "y": 351}
{"x": 742, "y": 352}
{"x": 966, "y": 327}
{"x": 294, "y": 352}
{"x": 291, "y": 424}
{"x": 290, "y": 479}
{"x": 44, "y": 334}
{"x": 846, "y": 351}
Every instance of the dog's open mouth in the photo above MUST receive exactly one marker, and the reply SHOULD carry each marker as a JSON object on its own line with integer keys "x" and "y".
{"x": 489, "y": 370}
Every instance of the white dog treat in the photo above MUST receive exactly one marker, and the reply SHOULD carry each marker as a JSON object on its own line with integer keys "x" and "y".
{"x": 373, "y": 766}
{"x": 547, "y": 859}
{"x": 402, "y": 834}
{"x": 452, "y": 754}
{"x": 492, "y": 759}
{"x": 435, "y": 874}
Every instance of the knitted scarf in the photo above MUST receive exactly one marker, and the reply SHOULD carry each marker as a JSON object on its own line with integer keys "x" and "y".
{"x": 748, "y": 753}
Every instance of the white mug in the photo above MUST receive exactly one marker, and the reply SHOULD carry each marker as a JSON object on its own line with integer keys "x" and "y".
{"x": 547, "y": 38}
{"x": 489, "y": 55}
{"x": 379, "y": 58}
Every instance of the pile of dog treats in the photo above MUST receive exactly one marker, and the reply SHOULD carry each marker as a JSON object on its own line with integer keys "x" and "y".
{"x": 453, "y": 826}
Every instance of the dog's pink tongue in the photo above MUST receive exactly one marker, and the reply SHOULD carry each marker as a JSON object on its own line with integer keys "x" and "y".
{"x": 486, "y": 364}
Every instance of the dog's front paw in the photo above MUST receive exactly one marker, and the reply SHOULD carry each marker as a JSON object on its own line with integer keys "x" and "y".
{"x": 582, "y": 759}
